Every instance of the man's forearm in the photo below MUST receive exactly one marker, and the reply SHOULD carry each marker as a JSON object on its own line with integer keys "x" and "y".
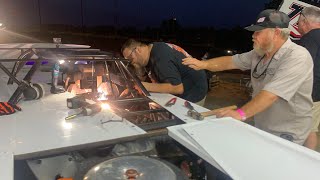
{"x": 259, "y": 103}
{"x": 164, "y": 88}
{"x": 220, "y": 64}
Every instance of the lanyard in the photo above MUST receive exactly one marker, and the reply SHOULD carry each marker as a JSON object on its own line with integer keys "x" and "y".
{"x": 255, "y": 74}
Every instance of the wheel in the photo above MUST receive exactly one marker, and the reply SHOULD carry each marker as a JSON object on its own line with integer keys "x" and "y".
{"x": 40, "y": 89}
{"x": 31, "y": 93}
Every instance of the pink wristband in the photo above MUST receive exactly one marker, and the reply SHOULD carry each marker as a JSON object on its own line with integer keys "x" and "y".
{"x": 242, "y": 114}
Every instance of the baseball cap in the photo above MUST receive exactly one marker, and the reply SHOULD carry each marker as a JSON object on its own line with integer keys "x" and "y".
{"x": 270, "y": 18}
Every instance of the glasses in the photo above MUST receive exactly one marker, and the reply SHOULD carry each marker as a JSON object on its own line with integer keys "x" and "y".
{"x": 304, "y": 16}
{"x": 130, "y": 55}
{"x": 304, "y": 19}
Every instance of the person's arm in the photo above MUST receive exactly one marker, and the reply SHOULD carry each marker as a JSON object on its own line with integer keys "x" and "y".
{"x": 214, "y": 64}
{"x": 259, "y": 103}
{"x": 164, "y": 87}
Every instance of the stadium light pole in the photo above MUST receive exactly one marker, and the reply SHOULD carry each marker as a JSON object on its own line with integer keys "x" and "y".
{"x": 39, "y": 13}
{"x": 81, "y": 12}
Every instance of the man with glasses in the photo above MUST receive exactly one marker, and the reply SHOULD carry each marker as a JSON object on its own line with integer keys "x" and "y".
{"x": 309, "y": 28}
{"x": 281, "y": 76}
{"x": 163, "y": 63}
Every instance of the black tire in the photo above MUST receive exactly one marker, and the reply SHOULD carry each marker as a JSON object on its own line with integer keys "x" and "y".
{"x": 31, "y": 93}
{"x": 40, "y": 89}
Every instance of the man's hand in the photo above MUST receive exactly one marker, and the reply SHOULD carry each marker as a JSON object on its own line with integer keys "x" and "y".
{"x": 194, "y": 63}
{"x": 229, "y": 113}
{"x": 147, "y": 85}
{"x": 75, "y": 89}
{"x": 127, "y": 92}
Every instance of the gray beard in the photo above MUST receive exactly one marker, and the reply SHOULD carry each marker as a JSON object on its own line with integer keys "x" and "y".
{"x": 261, "y": 51}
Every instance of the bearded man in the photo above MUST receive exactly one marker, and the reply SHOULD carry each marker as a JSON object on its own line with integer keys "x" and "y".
{"x": 281, "y": 76}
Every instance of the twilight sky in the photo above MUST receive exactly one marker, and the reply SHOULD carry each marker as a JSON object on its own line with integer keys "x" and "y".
{"x": 139, "y": 13}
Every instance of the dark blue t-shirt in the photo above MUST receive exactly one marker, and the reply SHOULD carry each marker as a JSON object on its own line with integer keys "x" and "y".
{"x": 311, "y": 41}
{"x": 165, "y": 64}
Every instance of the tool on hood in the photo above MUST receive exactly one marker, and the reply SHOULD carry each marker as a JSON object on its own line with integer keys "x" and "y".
{"x": 88, "y": 110}
{"x": 188, "y": 105}
{"x": 200, "y": 116}
{"x": 171, "y": 102}
{"x": 191, "y": 110}
{"x": 76, "y": 102}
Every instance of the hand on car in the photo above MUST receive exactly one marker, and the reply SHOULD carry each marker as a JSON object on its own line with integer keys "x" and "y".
{"x": 194, "y": 63}
{"x": 146, "y": 85}
{"x": 228, "y": 113}
{"x": 127, "y": 91}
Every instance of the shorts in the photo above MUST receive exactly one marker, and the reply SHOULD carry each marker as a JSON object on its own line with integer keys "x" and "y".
{"x": 315, "y": 116}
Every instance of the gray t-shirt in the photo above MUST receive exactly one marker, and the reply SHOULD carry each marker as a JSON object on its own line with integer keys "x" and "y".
{"x": 289, "y": 76}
